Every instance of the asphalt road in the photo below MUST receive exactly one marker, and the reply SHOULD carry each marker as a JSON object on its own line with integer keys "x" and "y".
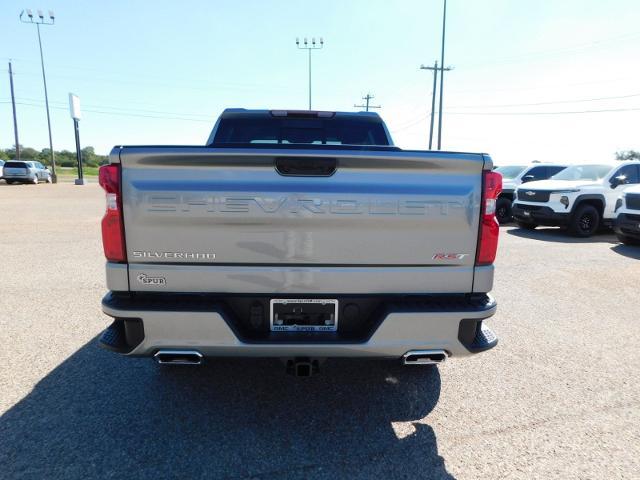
{"x": 558, "y": 398}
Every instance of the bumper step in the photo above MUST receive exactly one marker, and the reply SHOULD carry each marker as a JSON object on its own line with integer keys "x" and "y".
{"x": 123, "y": 335}
{"x": 476, "y": 336}
{"x": 485, "y": 339}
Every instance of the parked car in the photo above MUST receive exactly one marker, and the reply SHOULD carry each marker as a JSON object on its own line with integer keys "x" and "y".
{"x": 627, "y": 223}
{"x": 581, "y": 197}
{"x": 300, "y": 235}
{"x": 26, "y": 172}
{"x": 514, "y": 175}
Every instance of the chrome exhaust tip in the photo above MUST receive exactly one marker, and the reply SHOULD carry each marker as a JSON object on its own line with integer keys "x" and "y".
{"x": 178, "y": 357}
{"x": 424, "y": 357}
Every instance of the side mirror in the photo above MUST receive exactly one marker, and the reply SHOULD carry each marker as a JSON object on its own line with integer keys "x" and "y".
{"x": 528, "y": 178}
{"x": 619, "y": 180}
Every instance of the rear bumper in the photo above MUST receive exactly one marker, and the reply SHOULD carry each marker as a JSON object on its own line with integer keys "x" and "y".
{"x": 19, "y": 178}
{"x": 211, "y": 325}
{"x": 627, "y": 225}
{"x": 539, "y": 214}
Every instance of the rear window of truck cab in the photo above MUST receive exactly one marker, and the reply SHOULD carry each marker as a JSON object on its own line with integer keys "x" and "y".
{"x": 308, "y": 131}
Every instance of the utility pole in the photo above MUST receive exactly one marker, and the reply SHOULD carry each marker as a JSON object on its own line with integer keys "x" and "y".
{"x": 433, "y": 95}
{"x": 15, "y": 120}
{"x": 444, "y": 22}
{"x": 366, "y": 106}
{"x": 306, "y": 46}
{"x": 50, "y": 21}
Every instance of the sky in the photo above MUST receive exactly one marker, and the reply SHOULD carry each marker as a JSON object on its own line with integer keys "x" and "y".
{"x": 544, "y": 80}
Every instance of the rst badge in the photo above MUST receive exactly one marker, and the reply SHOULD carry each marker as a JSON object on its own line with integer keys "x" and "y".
{"x": 449, "y": 256}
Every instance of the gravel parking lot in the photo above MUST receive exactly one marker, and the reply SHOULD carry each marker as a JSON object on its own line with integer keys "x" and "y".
{"x": 558, "y": 398}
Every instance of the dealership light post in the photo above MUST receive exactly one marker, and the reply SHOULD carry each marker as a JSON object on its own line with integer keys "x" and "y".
{"x": 74, "y": 111}
{"x": 309, "y": 46}
{"x": 40, "y": 20}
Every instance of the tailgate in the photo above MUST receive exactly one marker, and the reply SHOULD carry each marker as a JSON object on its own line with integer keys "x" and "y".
{"x": 231, "y": 207}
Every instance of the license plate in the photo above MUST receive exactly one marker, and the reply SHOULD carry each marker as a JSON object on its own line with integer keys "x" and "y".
{"x": 304, "y": 315}
{"x": 526, "y": 214}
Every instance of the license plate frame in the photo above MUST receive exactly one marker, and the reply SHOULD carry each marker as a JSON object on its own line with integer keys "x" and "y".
{"x": 284, "y": 325}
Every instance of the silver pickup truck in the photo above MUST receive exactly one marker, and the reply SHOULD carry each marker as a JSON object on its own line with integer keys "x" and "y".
{"x": 298, "y": 235}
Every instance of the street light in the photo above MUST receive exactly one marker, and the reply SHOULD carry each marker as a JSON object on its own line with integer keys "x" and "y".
{"x": 41, "y": 20}
{"x": 309, "y": 46}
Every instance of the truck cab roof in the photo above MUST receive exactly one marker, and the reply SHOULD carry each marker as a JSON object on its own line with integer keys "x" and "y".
{"x": 242, "y": 127}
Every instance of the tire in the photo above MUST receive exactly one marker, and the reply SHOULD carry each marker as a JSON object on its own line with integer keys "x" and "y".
{"x": 35, "y": 180}
{"x": 585, "y": 221}
{"x": 628, "y": 240}
{"x": 503, "y": 210}
{"x": 526, "y": 225}
{"x": 10, "y": 182}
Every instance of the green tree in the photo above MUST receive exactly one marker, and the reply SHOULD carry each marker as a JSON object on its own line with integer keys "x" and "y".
{"x": 89, "y": 157}
{"x": 28, "y": 153}
{"x": 64, "y": 158}
{"x": 628, "y": 155}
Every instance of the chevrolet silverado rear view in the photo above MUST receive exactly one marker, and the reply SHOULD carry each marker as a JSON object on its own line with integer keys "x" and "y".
{"x": 298, "y": 235}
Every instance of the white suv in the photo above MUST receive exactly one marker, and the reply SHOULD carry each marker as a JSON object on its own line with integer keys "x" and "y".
{"x": 514, "y": 175}
{"x": 581, "y": 197}
{"x": 16, "y": 171}
{"x": 627, "y": 224}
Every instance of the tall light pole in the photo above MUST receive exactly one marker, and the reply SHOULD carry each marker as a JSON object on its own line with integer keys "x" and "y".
{"x": 309, "y": 46}
{"x": 444, "y": 22}
{"x": 40, "y": 20}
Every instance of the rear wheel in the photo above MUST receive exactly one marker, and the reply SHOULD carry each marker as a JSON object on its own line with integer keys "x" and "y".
{"x": 628, "y": 240}
{"x": 503, "y": 210}
{"x": 585, "y": 221}
{"x": 526, "y": 225}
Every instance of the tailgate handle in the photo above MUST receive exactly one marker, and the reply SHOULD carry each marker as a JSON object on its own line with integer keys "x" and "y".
{"x": 306, "y": 166}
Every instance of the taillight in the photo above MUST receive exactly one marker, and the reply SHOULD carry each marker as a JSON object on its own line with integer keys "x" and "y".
{"x": 112, "y": 223}
{"x": 489, "y": 227}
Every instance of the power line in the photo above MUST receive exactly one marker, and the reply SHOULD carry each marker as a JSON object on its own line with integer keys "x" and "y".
{"x": 545, "y": 53}
{"x": 553, "y": 86}
{"x": 609, "y": 110}
{"x": 108, "y": 107}
{"x": 548, "y": 113}
{"x": 409, "y": 125}
{"x": 120, "y": 114}
{"x": 206, "y": 86}
{"x": 549, "y": 103}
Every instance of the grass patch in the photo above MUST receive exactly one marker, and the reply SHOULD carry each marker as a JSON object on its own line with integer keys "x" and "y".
{"x": 73, "y": 171}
